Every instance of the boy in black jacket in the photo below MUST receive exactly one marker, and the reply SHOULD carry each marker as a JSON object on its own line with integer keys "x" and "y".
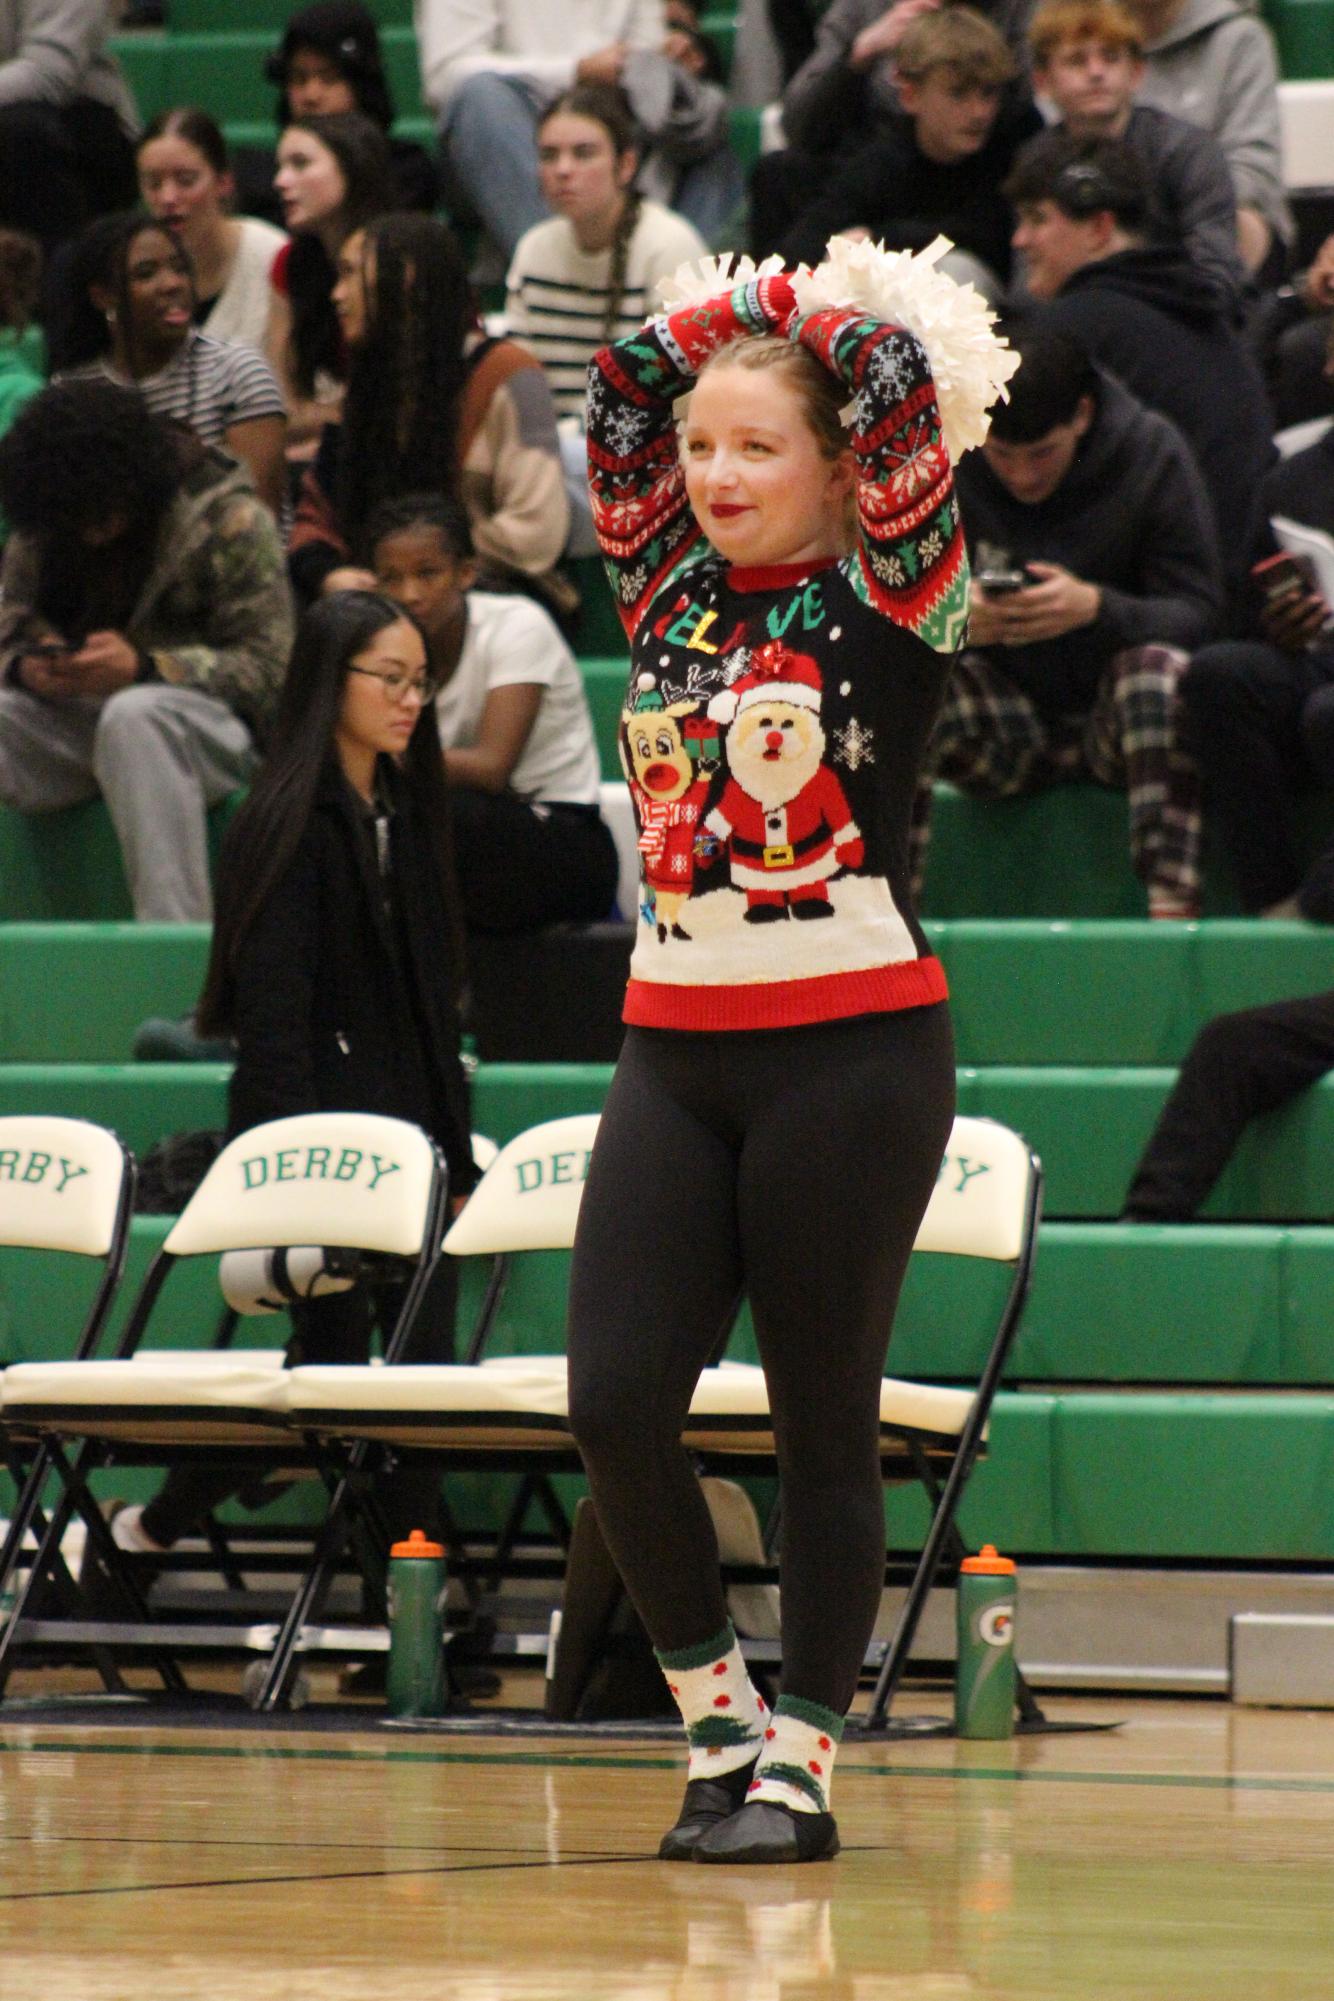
{"x": 1095, "y": 570}
{"x": 1145, "y": 313}
{"x": 937, "y": 169}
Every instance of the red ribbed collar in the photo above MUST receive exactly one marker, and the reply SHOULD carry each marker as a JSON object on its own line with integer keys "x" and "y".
{"x": 776, "y": 576}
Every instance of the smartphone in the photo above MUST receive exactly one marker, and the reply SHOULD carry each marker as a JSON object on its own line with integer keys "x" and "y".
{"x": 1281, "y": 576}
{"x": 1001, "y": 583}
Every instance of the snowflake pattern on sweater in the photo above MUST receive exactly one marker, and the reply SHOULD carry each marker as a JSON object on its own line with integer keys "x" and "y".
{"x": 776, "y": 719}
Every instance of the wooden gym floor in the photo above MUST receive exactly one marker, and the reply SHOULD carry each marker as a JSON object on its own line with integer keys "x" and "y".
{"x": 1188, "y": 1854}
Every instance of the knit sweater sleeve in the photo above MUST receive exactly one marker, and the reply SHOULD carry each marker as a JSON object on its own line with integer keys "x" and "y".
{"x": 910, "y": 563}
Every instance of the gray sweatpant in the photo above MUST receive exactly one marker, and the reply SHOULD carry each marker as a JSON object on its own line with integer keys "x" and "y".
{"x": 160, "y": 756}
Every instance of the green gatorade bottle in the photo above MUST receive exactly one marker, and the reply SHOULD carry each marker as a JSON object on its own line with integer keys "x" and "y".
{"x": 984, "y": 1681}
{"x": 417, "y": 1583}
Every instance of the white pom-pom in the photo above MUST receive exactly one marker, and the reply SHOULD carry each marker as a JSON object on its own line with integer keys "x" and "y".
{"x": 708, "y": 276}
{"x": 970, "y": 362}
{"x": 646, "y": 681}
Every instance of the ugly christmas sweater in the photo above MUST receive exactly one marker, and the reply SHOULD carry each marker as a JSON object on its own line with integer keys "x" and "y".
{"x": 777, "y": 718}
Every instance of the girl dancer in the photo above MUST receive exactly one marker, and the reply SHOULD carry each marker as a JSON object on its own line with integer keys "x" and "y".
{"x": 793, "y": 593}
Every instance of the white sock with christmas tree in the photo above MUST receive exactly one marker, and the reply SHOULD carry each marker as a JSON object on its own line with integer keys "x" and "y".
{"x": 797, "y": 1762}
{"x": 724, "y": 1714}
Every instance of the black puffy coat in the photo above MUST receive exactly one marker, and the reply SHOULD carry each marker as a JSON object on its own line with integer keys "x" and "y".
{"x": 343, "y": 1005}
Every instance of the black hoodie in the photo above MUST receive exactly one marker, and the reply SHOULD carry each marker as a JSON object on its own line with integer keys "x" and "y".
{"x": 1152, "y": 318}
{"x": 1130, "y": 516}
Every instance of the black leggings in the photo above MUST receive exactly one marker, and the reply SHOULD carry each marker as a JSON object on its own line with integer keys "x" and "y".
{"x": 794, "y": 1164}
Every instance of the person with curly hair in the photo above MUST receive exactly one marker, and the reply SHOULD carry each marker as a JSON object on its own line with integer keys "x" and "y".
{"x": 432, "y": 406}
{"x": 145, "y": 626}
{"x": 132, "y": 322}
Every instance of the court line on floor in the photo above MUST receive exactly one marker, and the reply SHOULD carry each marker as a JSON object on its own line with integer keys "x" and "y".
{"x": 289, "y": 1881}
{"x": 581, "y": 1761}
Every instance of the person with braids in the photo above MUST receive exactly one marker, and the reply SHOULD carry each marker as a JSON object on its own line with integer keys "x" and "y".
{"x": 793, "y": 592}
{"x": 336, "y": 965}
{"x": 587, "y": 276}
{"x": 144, "y": 630}
{"x": 333, "y": 176}
{"x": 133, "y": 322}
{"x": 432, "y": 405}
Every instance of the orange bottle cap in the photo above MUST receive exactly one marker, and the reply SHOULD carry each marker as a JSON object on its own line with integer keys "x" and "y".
{"x": 988, "y": 1564}
{"x": 419, "y": 1544}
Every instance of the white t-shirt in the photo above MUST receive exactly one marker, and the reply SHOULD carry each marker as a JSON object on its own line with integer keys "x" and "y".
{"x": 511, "y": 642}
{"x": 241, "y": 309}
{"x": 556, "y": 293}
{"x": 537, "y": 41}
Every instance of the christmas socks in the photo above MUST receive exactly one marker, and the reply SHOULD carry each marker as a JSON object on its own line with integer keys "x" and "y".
{"x": 725, "y": 1717}
{"x": 796, "y": 1764}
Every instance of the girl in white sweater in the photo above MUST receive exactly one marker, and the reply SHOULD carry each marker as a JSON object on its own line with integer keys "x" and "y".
{"x": 589, "y": 275}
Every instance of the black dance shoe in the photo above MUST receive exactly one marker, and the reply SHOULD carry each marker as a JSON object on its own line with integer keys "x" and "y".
{"x": 765, "y": 1832}
{"x": 707, "y": 1803}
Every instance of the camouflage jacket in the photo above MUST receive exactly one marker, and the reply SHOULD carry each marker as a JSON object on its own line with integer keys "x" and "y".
{"x": 215, "y": 612}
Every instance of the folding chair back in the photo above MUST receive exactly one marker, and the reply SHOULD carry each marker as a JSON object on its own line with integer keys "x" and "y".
{"x": 979, "y": 1206}
{"x": 65, "y": 1185}
{"x": 528, "y": 1199}
{"x": 346, "y": 1178}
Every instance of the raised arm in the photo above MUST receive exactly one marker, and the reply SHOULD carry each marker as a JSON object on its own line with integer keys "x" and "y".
{"x": 645, "y": 527}
{"x": 910, "y": 563}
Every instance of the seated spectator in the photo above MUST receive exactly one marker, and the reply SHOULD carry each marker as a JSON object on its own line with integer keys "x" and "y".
{"x": 1145, "y": 312}
{"x": 185, "y": 179}
{"x": 520, "y": 755}
{"x": 1238, "y": 1066}
{"x": 491, "y": 69}
{"x": 330, "y": 62}
{"x": 144, "y": 630}
{"x": 1260, "y": 713}
{"x": 848, "y": 86}
{"x": 432, "y": 405}
{"x": 1213, "y": 62}
{"x": 1088, "y": 59}
{"x": 138, "y": 321}
{"x": 67, "y": 119}
{"x": 333, "y": 176}
{"x": 938, "y": 168}
{"x": 587, "y": 275}
{"x": 1299, "y": 367}
{"x": 22, "y": 347}
{"x": 1095, "y": 570}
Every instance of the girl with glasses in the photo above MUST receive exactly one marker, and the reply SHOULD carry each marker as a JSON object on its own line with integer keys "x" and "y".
{"x": 336, "y": 966}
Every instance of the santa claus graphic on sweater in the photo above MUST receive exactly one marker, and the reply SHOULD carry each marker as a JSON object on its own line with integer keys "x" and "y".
{"x": 783, "y": 814}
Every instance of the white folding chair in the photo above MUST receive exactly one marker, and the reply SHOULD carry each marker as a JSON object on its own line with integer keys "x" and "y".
{"x": 355, "y": 1180}
{"x": 66, "y": 1186}
{"x": 506, "y": 1413}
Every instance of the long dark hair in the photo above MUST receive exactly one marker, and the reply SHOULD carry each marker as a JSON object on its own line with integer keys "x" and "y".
{"x": 401, "y": 412}
{"x": 607, "y": 105}
{"x": 79, "y": 331}
{"x": 265, "y": 834}
{"x": 363, "y": 157}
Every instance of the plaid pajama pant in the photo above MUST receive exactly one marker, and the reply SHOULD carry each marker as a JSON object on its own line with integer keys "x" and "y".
{"x": 991, "y": 742}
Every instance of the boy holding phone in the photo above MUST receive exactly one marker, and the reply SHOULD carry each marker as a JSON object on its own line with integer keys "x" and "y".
{"x": 1095, "y": 571}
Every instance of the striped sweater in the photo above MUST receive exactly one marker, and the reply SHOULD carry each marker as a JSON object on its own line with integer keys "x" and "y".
{"x": 841, "y": 662}
{"x": 558, "y": 294}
